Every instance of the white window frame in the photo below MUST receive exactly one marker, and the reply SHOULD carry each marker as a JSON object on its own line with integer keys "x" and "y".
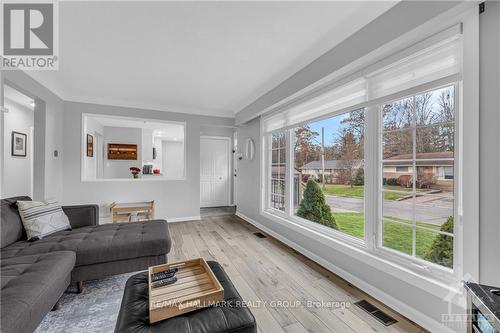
{"x": 269, "y": 173}
{"x": 373, "y": 199}
{"x": 411, "y": 261}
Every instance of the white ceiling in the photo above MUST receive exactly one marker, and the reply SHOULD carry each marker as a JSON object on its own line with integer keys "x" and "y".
{"x": 209, "y": 58}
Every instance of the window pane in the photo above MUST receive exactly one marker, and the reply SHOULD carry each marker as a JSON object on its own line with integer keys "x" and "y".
{"x": 435, "y": 107}
{"x": 434, "y": 247}
{"x": 275, "y": 140}
{"x": 397, "y": 176}
{"x": 399, "y": 209}
{"x": 282, "y": 158}
{"x": 278, "y": 171}
{"x": 275, "y": 156}
{"x": 398, "y": 145}
{"x": 435, "y": 179}
{"x": 398, "y": 114}
{"x": 435, "y": 142}
{"x": 433, "y": 211}
{"x": 339, "y": 201}
{"x": 398, "y": 237}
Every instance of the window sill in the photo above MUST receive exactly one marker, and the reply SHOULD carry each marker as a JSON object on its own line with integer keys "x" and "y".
{"x": 132, "y": 180}
{"x": 443, "y": 288}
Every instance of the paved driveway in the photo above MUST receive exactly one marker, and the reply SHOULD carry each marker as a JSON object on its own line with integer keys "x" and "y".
{"x": 433, "y": 212}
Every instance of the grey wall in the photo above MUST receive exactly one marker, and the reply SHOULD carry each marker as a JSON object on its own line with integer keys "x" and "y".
{"x": 489, "y": 152}
{"x": 48, "y": 124}
{"x": 400, "y": 19}
{"x": 174, "y": 198}
{"x": 17, "y": 169}
{"x": 124, "y": 135}
{"x": 93, "y": 128}
{"x": 172, "y": 156}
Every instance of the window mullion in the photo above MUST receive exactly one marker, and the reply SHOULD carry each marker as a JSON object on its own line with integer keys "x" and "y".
{"x": 371, "y": 176}
{"x": 270, "y": 171}
{"x": 289, "y": 173}
{"x": 414, "y": 185}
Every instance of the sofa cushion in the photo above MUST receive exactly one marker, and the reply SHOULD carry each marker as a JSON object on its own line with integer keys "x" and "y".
{"x": 41, "y": 219}
{"x": 230, "y": 316}
{"x": 103, "y": 243}
{"x": 11, "y": 224}
{"x": 31, "y": 285}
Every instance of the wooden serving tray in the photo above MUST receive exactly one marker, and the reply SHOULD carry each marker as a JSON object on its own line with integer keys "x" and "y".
{"x": 196, "y": 287}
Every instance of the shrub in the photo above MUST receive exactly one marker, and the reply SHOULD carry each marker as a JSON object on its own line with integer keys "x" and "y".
{"x": 405, "y": 181}
{"x": 359, "y": 178}
{"x": 441, "y": 250}
{"x": 313, "y": 206}
{"x": 425, "y": 179}
{"x": 391, "y": 182}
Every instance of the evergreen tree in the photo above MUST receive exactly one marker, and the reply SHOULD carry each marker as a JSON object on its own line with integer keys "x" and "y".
{"x": 441, "y": 250}
{"x": 313, "y": 206}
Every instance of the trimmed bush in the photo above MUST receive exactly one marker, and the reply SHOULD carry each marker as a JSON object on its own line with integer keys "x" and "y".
{"x": 313, "y": 206}
{"x": 441, "y": 250}
{"x": 359, "y": 178}
{"x": 391, "y": 182}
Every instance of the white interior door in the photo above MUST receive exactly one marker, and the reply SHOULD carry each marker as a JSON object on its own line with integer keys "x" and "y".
{"x": 214, "y": 172}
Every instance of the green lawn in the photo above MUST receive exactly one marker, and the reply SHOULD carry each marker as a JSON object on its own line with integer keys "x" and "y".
{"x": 396, "y": 236}
{"x": 358, "y": 191}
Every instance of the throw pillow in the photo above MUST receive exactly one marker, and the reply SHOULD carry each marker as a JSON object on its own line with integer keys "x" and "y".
{"x": 42, "y": 218}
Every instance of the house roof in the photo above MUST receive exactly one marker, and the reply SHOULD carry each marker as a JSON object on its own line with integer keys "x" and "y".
{"x": 332, "y": 164}
{"x": 431, "y": 159}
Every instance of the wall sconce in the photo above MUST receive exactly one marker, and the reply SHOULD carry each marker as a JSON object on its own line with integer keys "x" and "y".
{"x": 249, "y": 149}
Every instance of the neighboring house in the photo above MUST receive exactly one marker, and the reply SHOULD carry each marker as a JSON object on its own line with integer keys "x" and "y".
{"x": 436, "y": 169}
{"x": 334, "y": 169}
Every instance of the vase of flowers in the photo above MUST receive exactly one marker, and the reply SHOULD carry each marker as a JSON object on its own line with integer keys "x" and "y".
{"x": 135, "y": 171}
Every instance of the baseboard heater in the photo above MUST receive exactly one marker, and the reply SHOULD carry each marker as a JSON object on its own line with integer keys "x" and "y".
{"x": 375, "y": 312}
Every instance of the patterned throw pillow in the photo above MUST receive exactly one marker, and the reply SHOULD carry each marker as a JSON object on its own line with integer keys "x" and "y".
{"x": 42, "y": 218}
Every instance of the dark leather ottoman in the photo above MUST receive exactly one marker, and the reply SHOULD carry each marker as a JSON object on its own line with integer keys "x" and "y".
{"x": 230, "y": 316}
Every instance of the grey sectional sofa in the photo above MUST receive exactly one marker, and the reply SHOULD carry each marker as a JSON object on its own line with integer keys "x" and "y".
{"x": 35, "y": 274}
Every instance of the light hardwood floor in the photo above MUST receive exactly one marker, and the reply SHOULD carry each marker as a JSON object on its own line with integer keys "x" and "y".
{"x": 266, "y": 271}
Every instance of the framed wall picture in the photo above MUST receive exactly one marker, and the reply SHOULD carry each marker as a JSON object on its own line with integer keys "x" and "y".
{"x": 19, "y": 144}
{"x": 121, "y": 151}
{"x": 90, "y": 145}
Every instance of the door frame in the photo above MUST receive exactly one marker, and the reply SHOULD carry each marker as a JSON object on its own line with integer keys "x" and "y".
{"x": 229, "y": 180}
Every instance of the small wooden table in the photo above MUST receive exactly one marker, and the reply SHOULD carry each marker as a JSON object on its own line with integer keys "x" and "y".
{"x": 131, "y": 212}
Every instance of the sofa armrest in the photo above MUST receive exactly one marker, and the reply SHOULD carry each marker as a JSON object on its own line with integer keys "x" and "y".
{"x": 82, "y": 215}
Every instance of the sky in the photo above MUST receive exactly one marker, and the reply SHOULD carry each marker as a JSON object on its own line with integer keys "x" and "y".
{"x": 331, "y": 125}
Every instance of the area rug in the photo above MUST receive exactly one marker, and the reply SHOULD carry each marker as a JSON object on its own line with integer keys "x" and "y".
{"x": 94, "y": 310}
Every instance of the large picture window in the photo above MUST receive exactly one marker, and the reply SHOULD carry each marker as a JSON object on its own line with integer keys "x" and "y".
{"x": 325, "y": 182}
{"x": 373, "y": 160}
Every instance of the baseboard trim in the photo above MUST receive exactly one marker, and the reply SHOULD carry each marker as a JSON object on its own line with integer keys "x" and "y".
{"x": 416, "y": 316}
{"x": 183, "y": 219}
